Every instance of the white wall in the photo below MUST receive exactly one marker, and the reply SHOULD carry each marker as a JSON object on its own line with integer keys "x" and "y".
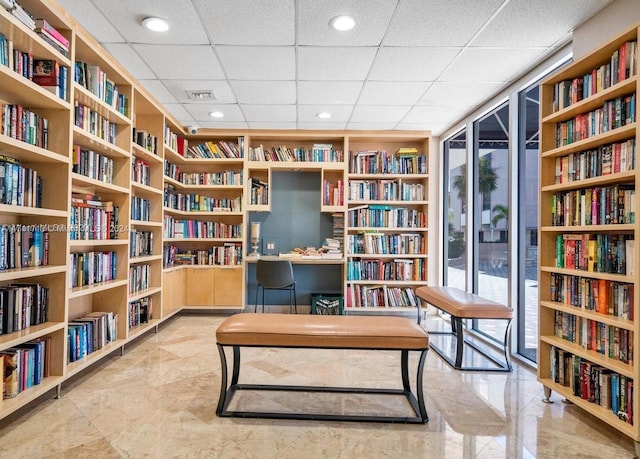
{"x": 613, "y": 20}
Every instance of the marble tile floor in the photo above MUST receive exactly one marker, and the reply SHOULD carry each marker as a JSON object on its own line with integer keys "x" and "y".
{"x": 159, "y": 400}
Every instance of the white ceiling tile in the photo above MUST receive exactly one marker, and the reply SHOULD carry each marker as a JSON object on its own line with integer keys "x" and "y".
{"x": 131, "y": 60}
{"x": 391, "y": 93}
{"x": 179, "y": 62}
{"x": 258, "y": 63}
{"x": 224, "y": 124}
{"x": 159, "y": 91}
{"x": 92, "y": 20}
{"x": 371, "y": 17}
{"x": 247, "y": 22}
{"x": 339, "y": 113}
{"x": 461, "y": 94}
{"x": 265, "y": 92}
{"x": 378, "y": 114}
{"x": 490, "y": 64}
{"x": 323, "y": 126}
{"x": 414, "y": 126}
{"x": 439, "y": 23}
{"x": 185, "y": 26}
{"x": 179, "y": 112}
{"x": 334, "y": 63}
{"x": 272, "y": 125}
{"x": 429, "y": 114}
{"x": 371, "y": 126}
{"x": 411, "y": 64}
{"x": 328, "y": 92}
{"x": 221, "y": 90}
{"x": 201, "y": 112}
{"x": 269, "y": 113}
{"x": 536, "y": 22}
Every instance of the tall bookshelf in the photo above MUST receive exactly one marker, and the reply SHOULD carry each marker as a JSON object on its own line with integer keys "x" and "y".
{"x": 589, "y": 260}
{"x": 386, "y": 224}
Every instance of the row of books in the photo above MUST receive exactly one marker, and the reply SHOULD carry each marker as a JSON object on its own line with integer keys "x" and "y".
{"x": 140, "y": 209}
{"x": 91, "y": 218}
{"x": 405, "y": 161}
{"x": 383, "y": 243}
{"x": 140, "y": 243}
{"x": 22, "y": 124}
{"x": 258, "y": 192}
{"x": 622, "y": 65}
{"x": 89, "y": 268}
{"x": 607, "y": 205}
{"x": 140, "y": 311}
{"x": 19, "y": 186}
{"x": 25, "y": 366}
{"x": 614, "y": 114}
{"x": 606, "y": 159}
{"x": 598, "y": 295}
{"x": 140, "y": 171}
{"x": 23, "y": 305}
{"x": 95, "y": 80}
{"x": 23, "y": 246}
{"x": 194, "y": 229}
{"x": 194, "y": 202}
{"x": 380, "y": 296}
{"x": 94, "y": 123}
{"x": 139, "y": 277}
{"x": 603, "y": 253}
{"x": 228, "y": 254}
{"x": 388, "y": 270}
{"x": 332, "y": 193}
{"x": 91, "y": 164}
{"x": 145, "y": 140}
{"x": 228, "y": 177}
{"x": 91, "y": 333}
{"x": 384, "y": 216}
{"x": 221, "y": 150}
{"x": 385, "y": 190}
{"x": 174, "y": 141}
{"x": 319, "y": 153}
{"x": 593, "y": 382}
{"x": 611, "y": 341}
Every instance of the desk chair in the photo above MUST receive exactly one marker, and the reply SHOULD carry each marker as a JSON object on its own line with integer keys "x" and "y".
{"x": 276, "y": 275}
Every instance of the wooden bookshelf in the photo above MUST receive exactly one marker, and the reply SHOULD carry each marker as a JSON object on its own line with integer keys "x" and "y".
{"x": 588, "y": 288}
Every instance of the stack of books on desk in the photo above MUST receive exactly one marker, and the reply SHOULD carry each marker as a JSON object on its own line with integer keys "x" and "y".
{"x": 331, "y": 249}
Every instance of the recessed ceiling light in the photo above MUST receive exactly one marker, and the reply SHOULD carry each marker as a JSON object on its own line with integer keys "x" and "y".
{"x": 342, "y": 23}
{"x": 323, "y": 115}
{"x": 216, "y": 115}
{"x": 155, "y": 24}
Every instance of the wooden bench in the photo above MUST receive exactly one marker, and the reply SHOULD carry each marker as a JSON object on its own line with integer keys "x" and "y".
{"x": 463, "y": 305}
{"x": 322, "y": 332}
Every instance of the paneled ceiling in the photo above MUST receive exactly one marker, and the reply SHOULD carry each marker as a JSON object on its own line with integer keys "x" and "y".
{"x": 276, "y": 64}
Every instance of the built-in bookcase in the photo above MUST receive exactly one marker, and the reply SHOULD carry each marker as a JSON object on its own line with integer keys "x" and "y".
{"x": 589, "y": 257}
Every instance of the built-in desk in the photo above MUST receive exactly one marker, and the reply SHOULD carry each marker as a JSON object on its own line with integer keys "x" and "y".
{"x": 299, "y": 260}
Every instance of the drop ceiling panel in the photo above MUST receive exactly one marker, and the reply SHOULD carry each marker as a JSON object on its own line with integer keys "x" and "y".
{"x": 328, "y": 92}
{"x": 378, "y": 114}
{"x": 131, "y": 60}
{"x": 257, "y": 63}
{"x": 224, "y": 124}
{"x": 391, "y": 93}
{"x": 269, "y": 113}
{"x": 462, "y": 94}
{"x": 439, "y": 23}
{"x": 221, "y": 90}
{"x": 332, "y": 63}
{"x": 181, "y": 62}
{"x": 323, "y": 126}
{"x": 430, "y": 114}
{"x": 100, "y": 27}
{"x": 272, "y": 125}
{"x": 339, "y": 113}
{"x": 536, "y": 22}
{"x": 200, "y": 112}
{"x": 411, "y": 64}
{"x": 159, "y": 91}
{"x": 490, "y": 64}
{"x": 180, "y": 113}
{"x": 247, "y": 22}
{"x": 265, "y": 92}
{"x": 126, "y": 15}
{"x": 371, "y": 126}
{"x": 371, "y": 17}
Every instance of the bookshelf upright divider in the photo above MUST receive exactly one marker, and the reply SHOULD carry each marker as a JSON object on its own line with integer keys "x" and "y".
{"x": 589, "y": 261}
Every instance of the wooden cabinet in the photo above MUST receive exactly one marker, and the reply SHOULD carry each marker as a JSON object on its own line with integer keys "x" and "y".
{"x": 589, "y": 260}
{"x": 214, "y": 287}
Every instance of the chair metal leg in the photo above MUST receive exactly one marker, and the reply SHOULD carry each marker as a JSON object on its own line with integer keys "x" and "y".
{"x": 295, "y": 301}
{"x": 255, "y": 309}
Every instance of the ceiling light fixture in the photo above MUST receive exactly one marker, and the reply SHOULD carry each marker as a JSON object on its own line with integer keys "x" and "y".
{"x": 216, "y": 115}
{"x": 155, "y": 24}
{"x": 342, "y": 23}
{"x": 323, "y": 115}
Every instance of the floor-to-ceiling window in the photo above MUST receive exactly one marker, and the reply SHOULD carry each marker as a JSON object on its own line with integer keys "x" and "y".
{"x": 455, "y": 210}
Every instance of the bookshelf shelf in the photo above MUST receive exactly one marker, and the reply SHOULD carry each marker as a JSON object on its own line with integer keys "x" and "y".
{"x": 11, "y": 405}
{"x": 98, "y": 185}
{"x": 145, "y": 224}
{"x": 144, "y": 259}
{"x": 144, "y": 293}
{"x": 145, "y": 154}
{"x": 30, "y": 333}
{"x": 79, "y": 243}
{"x": 95, "y": 143}
{"x": 95, "y": 288}
{"x": 145, "y": 190}
{"x": 76, "y": 367}
{"x": 28, "y": 93}
{"x": 25, "y": 273}
{"x": 25, "y": 152}
{"x": 31, "y": 211}
{"x": 573, "y": 339}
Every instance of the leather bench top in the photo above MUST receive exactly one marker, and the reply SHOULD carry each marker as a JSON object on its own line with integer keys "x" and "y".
{"x": 320, "y": 331}
{"x": 463, "y": 304}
